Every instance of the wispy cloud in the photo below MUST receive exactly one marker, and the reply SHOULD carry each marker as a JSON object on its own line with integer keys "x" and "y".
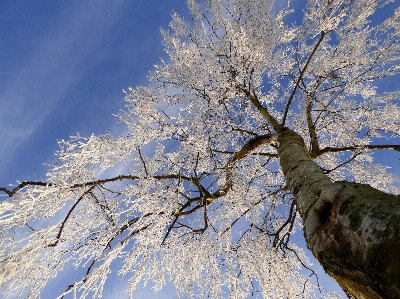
{"x": 57, "y": 62}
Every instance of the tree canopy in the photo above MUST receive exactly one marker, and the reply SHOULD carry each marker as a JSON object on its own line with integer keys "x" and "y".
{"x": 195, "y": 191}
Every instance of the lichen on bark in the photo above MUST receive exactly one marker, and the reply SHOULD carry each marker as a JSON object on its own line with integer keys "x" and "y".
{"x": 352, "y": 229}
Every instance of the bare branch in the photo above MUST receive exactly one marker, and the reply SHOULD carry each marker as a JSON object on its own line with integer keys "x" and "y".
{"x": 169, "y": 229}
{"x": 360, "y": 147}
{"x": 288, "y": 220}
{"x": 11, "y": 193}
{"x": 144, "y": 164}
{"x": 300, "y": 78}
{"x": 67, "y": 216}
{"x": 311, "y": 129}
{"x": 246, "y": 150}
{"x": 250, "y": 146}
{"x": 264, "y": 111}
{"x": 342, "y": 164}
{"x": 270, "y": 155}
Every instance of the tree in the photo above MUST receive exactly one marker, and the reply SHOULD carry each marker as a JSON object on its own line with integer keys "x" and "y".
{"x": 251, "y": 130}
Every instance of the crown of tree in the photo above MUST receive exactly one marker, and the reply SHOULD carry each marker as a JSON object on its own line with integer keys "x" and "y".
{"x": 250, "y": 130}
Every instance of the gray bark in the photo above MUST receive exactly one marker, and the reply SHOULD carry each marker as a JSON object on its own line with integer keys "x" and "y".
{"x": 352, "y": 229}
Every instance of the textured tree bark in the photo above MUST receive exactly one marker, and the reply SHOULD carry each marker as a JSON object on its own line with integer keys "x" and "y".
{"x": 352, "y": 229}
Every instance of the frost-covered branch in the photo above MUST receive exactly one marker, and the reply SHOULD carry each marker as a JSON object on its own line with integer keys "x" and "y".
{"x": 195, "y": 191}
{"x": 300, "y": 77}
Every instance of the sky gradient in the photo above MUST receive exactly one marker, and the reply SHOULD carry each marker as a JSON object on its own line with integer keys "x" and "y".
{"x": 63, "y": 65}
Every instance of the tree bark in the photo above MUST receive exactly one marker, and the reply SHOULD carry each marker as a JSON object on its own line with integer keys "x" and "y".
{"x": 352, "y": 229}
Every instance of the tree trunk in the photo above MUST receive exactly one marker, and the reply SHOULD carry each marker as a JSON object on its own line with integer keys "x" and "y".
{"x": 352, "y": 229}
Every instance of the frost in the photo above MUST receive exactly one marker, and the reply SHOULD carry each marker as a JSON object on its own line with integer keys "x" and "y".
{"x": 194, "y": 191}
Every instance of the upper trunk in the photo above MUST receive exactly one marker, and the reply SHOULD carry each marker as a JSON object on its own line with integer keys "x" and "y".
{"x": 352, "y": 229}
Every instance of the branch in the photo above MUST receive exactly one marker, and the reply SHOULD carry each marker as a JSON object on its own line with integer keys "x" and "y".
{"x": 68, "y": 290}
{"x": 305, "y": 266}
{"x": 121, "y": 230}
{"x": 135, "y": 232}
{"x": 313, "y": 135}
{"x": 244, "y": 131}
{"x": 250, "y": 146}
{"x": 240, "y": 217}
{"x": 341, "y": 164}
{"x": 329, "y": 149}
{"x": 290, "y": 220}
{"x": 270, "y": 155}
{"x": 205, "y": 198}
{"x": 246, "y": 150}
{"x": 144, "y": 164}
{"x": 264, "y": 111}
{"x": 301, "y": 77}
{"x": 12, "y": 192}
{"x": 67, "y": 216}
{"x": 22, "y": 185}
{"x": 169, "y": 229}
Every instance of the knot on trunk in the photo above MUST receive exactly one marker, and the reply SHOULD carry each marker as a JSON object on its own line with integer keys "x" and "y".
{"x": 354, "y": 232}
{"x": 319, "y": 213}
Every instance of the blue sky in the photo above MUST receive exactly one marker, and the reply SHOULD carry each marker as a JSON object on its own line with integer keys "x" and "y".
{"x": 63, "y": 65}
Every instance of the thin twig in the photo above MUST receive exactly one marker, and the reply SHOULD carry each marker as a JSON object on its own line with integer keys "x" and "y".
{"x": 144, "y": 164}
